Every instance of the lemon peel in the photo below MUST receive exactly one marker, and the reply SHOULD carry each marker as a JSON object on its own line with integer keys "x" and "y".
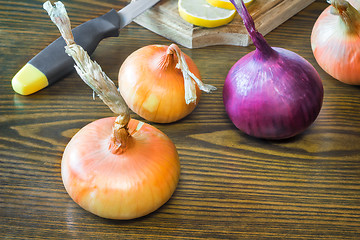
{"x": 201, "y": 13}
{"x": 226, "y": 3}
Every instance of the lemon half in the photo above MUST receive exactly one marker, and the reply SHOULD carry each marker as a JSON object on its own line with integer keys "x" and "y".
{"x": 226, "y": 3}
{"x": 201, "y": 13}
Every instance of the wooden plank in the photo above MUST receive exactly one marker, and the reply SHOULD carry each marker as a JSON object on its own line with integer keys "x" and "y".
{"x": 165, "y": 20}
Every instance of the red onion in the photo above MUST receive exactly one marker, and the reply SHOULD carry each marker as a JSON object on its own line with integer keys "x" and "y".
{"x": 271, "y": 93}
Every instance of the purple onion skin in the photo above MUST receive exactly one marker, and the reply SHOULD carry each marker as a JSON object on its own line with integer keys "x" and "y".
{"x": 275, "y": 95}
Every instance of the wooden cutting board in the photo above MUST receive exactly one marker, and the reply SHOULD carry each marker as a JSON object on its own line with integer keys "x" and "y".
{"x": 165, "y": 20}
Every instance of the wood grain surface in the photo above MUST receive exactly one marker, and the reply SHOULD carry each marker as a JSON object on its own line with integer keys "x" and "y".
{"x": 232, "y": 186}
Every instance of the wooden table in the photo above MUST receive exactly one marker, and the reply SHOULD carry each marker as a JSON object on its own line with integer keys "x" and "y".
{"x": 232, "y": 186}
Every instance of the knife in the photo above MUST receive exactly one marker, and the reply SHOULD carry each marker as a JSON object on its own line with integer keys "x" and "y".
{"x": 52, "y": 63}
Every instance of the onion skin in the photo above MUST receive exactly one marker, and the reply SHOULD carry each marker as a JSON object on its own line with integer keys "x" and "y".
{"x": 274, "y": 102}
{"x": 153, "y": 88}
{"x": 335, "y": 48}
{"x": 120, "y": 186}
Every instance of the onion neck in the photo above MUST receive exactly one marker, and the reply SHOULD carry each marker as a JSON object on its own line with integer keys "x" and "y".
{"x": 262, "y": 45}
{"x": 120, "y": 138}
{"x": 169, "y": 60}
{"x": 174, "y": 58}
{"x": 256, "y": 37}
{"x": 348, "y": 14}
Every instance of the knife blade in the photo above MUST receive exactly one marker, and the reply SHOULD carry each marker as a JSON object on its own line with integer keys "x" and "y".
{"x": 52, "y": 63}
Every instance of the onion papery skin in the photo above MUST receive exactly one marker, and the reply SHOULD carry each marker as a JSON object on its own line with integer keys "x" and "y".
{"x": 336, "y": 51}
{"x": 273, "y": 97}
{"x": 120, "y": 186}
{"x": 355, "y": 4}
{"x": 153, "y": 88}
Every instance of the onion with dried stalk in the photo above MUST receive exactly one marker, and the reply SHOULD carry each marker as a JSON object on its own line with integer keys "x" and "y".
{"x": 116, "y": 167}
{"x": 161, "y": 83}
{"x": 335, "y": 40}
{"x": 271, "y": 92}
